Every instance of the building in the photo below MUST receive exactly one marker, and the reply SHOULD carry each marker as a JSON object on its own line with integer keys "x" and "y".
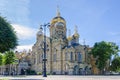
{"x": 23, "y": 63}
{"x": 65, "y": 55}
{"x": 20, "y": 66}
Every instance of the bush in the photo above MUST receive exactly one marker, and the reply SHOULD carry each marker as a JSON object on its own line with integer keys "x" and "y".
{"x": 48, "y": 73}
{"x": 39, "y": 73}
{"x": 31, "y": 72}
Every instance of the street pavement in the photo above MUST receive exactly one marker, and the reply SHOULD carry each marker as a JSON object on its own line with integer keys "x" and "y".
{"x": 59, "y": 77}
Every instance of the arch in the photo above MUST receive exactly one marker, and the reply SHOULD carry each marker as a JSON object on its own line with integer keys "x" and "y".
{"x": 75, "y": 57}
{"x": 66, "y": 56}
{"x": 76, "y": 70}
{"x": 67, "y": 67}
{"x": 22, "y": 71}
{"x": 71, "y": 56}
{"x": 54, "y": 57}
{"x": 79, "y": 57}
{"x": 40, "y": 57}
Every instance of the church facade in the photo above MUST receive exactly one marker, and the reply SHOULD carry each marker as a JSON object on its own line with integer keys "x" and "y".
{"x": 65, "y": 55}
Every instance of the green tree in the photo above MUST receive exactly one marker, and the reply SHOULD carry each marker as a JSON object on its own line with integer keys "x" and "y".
{"x": 1, "y": 59}
{"x": 103, "y": 51}
{"x": 8, "y": 38}
{"x": 9, "y": 59}
{"x": 115, "y": 66}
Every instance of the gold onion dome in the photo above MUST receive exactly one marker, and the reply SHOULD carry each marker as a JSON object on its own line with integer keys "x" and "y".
{"x": 58, "y": 18}
{"x": 69, "y": 35}
{"x": 69, "y": 38}
{"x": 76, "y": 35}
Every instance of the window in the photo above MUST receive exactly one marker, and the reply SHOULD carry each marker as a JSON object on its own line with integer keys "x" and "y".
{"x": 54, "y": 57}
{"x": 66, "y": 56}
{"x": 79, "y": 57}
{"x": 40, "y": 58}
{"x": 71, "y": 56}
{"x": 75, "y": 57}
{"x": 34, "y": 60}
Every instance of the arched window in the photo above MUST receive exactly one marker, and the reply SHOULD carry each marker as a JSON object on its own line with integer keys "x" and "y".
{"x": 40, "y": 58}
{"x": 54, "y": 57}
{"x": 34, "y": 60}
{"x": 79, "y": 57}
{"x": 75, "y": 57}
{"x": 66, "y": 67}
{"x": 66, "y": 56}
{"x": 71, "y": 56}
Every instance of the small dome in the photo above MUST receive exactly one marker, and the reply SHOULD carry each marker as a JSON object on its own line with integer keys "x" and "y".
{"x": 69, "y": 38}
{"x": 40, "y": 31}
{"x": 76, "y": 35}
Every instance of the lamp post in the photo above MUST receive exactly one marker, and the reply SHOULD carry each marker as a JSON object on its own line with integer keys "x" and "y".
{"x": 44, "y": 56}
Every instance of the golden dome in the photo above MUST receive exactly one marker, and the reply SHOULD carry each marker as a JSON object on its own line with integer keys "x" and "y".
{"x": 58, "y": 18}
{"x": 76, "y": 35}
{"x": 69, "y": 38}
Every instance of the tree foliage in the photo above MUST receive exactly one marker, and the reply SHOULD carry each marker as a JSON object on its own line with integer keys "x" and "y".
{"x": 8, "y": 38}
{"x": 1, "y": 59}
{"x": 9, "y": 57}
{"x": 103, "y": 51}
{"x": 115, "y": 64}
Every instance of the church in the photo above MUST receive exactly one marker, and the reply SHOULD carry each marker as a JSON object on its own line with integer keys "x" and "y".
{"x": 64, "y": 54}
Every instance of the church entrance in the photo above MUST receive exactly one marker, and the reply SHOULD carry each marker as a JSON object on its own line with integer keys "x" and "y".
{"x": 76, "y": 70}
{"x": 66, "y": 69}
{"x": 22, "y": 71}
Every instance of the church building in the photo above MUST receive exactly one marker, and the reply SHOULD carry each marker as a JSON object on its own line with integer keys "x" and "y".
{"x": 64, "y": 54}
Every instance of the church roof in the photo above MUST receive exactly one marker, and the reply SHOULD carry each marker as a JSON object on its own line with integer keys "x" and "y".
{"x": 73, "y": 45}
{"x": 59, "y": 17}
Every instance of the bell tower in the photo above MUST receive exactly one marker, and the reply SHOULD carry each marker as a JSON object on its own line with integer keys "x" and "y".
{"x": 58, "y": 41}
{"x": 58, "y": 27}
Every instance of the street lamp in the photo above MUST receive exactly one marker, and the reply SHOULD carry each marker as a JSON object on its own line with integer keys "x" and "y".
{"x": 44, "y": 56}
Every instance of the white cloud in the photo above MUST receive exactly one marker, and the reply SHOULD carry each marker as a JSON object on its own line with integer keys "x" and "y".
{"x": 24, "y": 32}
{"x": 24, "y": 47}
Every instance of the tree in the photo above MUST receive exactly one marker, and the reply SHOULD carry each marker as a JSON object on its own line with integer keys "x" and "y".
{"x": 102, "y": 52}
{"x": 115, "y": 64}
{"x": 1, "y": 59}
{"x": 9, "y": 59}
{"x": 8, "y": 38}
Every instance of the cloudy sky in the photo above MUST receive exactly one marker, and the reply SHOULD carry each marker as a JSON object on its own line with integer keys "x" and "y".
{"x": 97, "y": 20}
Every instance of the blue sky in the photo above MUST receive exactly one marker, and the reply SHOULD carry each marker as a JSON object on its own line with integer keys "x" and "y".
{"x": 97, "y": 20}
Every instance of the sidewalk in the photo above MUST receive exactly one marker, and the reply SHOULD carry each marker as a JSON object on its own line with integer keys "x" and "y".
{"x": 59, "y": 77}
